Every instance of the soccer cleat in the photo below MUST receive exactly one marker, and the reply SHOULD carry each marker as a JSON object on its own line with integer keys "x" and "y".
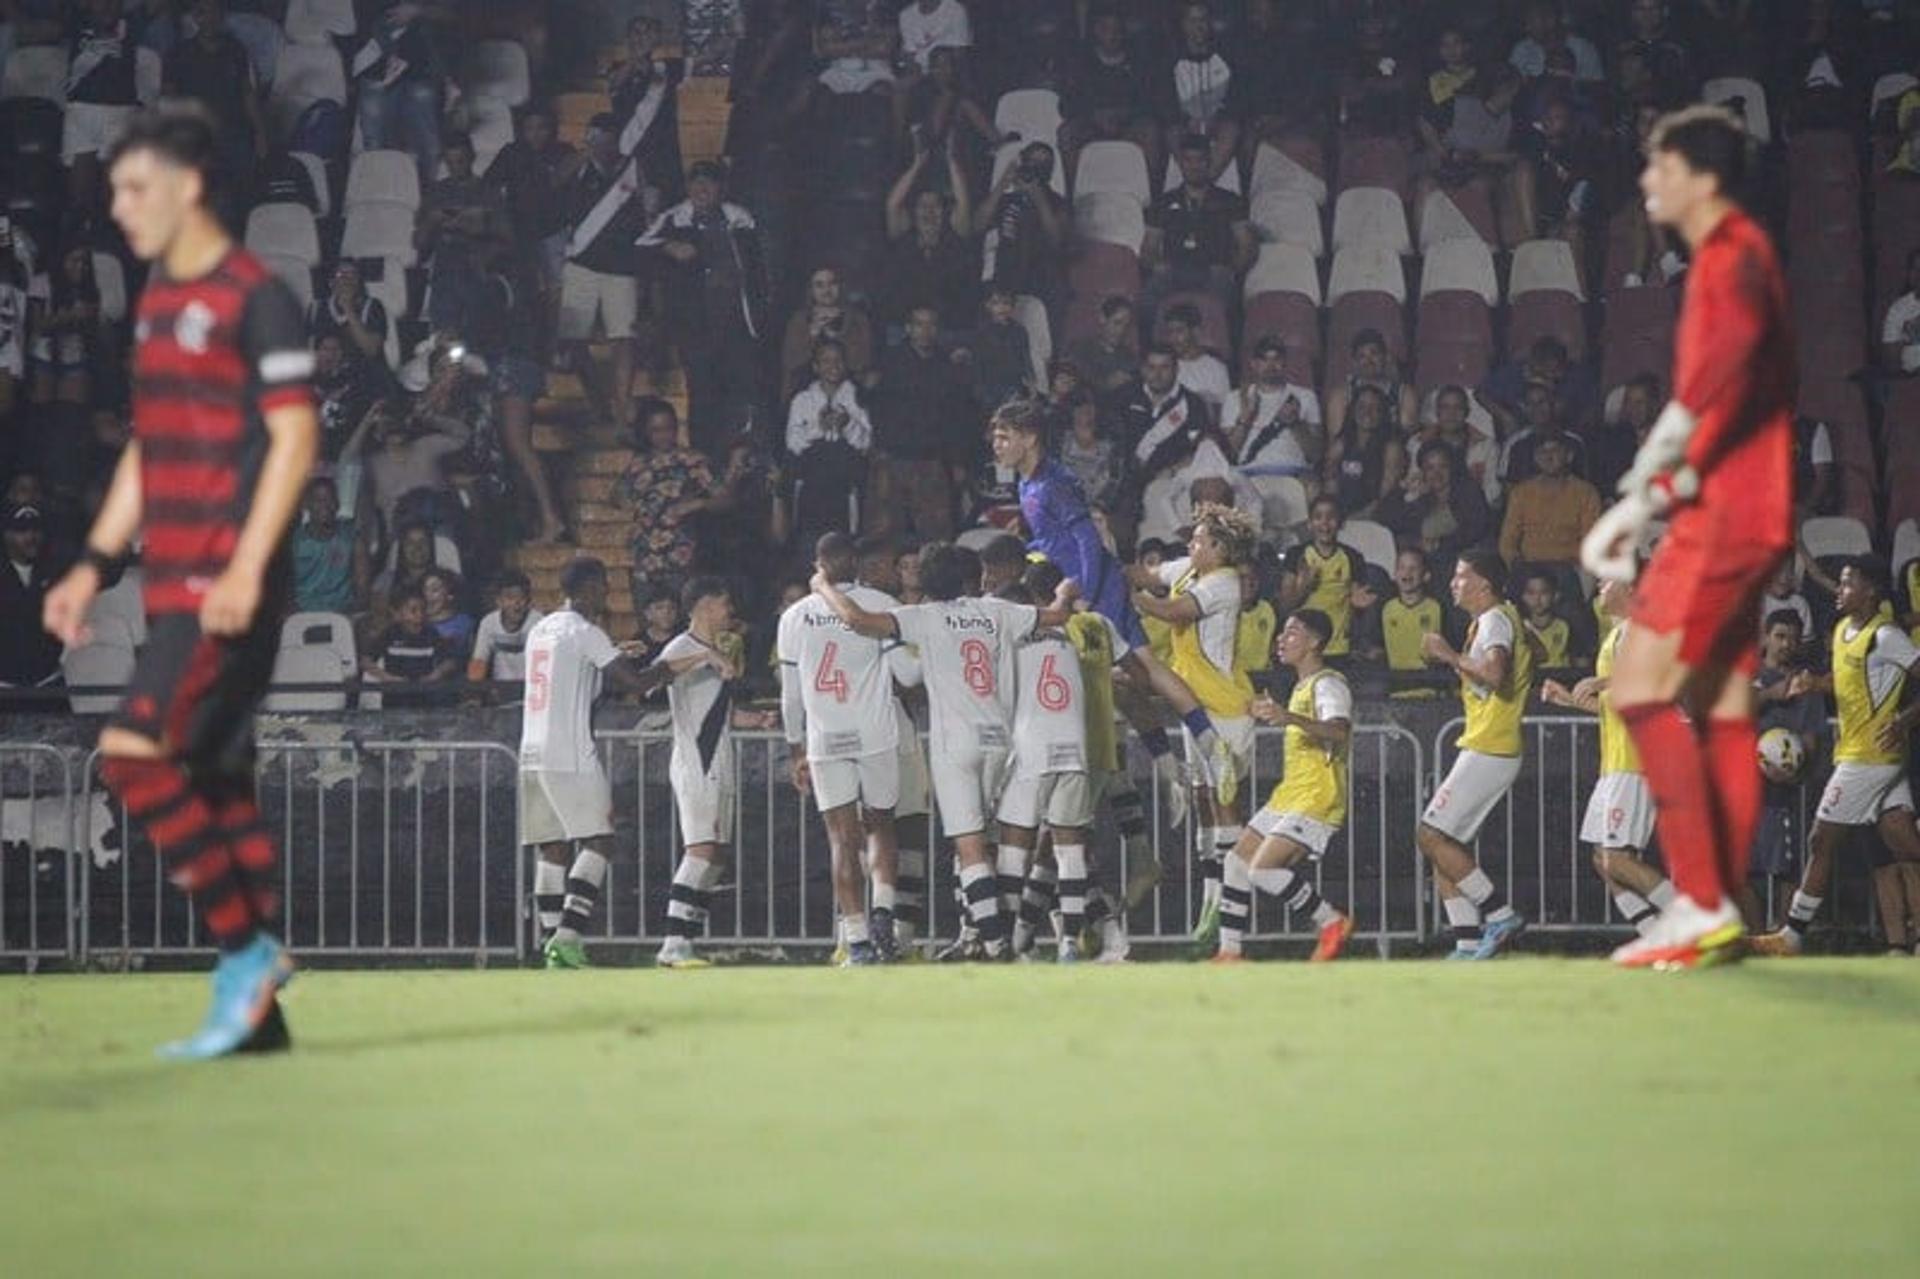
{"x": 272, "y": 1035}
{"x": 1170, "y": 783}
{"x": 885, "y": 944}
{"x": 1227, "y": 958}
{"x": 1206, "y": 933}
{"x": 1688, "y": 935}
{"x": 245, "y": 985}
{"x": 1781, "y": 943}
{"x": 1333, "y": 939}
{"x": 1114, "y": 943}
{"x": 1464, "y": 948}
{"x": 1069, "y": 951}
{"x": 563, "y": 954}
{"x": 861, "y": 954}
{"x": 677, "y": 952}
{"x": 1142, "y": 878}
{"x": 1497, "y": 936}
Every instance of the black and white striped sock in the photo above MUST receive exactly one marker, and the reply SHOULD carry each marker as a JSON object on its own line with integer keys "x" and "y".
{"x": 1012, "y": 878}
{"x": 1236, "y": 903}
{"x": 1463, "y": 918}
{"x": 584, "y": 879}
{"x": 687, "y": 896}
{"x": 1072, "y": 862}
{"x": 1297, "y": 891}
{"x": 549, "y": 895}
{"x": 910, "y": 895}
{"x": 983, "y": 902}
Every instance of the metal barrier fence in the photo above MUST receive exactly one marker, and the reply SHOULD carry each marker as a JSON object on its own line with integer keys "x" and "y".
{"x": 37, "y": 887}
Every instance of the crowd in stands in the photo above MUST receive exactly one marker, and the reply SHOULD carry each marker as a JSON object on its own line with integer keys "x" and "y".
{"x": 1375, "y": 272}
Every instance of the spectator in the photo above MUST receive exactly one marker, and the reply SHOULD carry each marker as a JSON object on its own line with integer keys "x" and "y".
{"x": 924, "y": 433}
{"x": 1090, "y": 455}
{"x": 927, "y": 25}
{"x": 998, "y": 354}
{"x": 500, "y": 643}
{"x": 441, "y": 590}
{"x": 659, "y": 623}
{"x": 1159, "y": 420}
{"x": 1179, "y": 447}
{"x": 101, "y": 94}
{"x": 1550, "y": 512}
{"x": 644, "y": 91}
{"x": 353, "y": 315}
{"x": 1557, "y": 193}
{"x": 1438, "y": 508}
{"x": 68, "y": 340}
{"x": 343, "y": 392}
{"x": 1777, "y": 844}
{"x": 1371, "y": 364}
{"x": 1107, "y": 358}
{"x": 1025, "y": 222}
{"x": 1466, "y": 126}
{"x": 1668, "y": 62}
{"x": 1201, "y": 371}
{"x": 1453, "y": 424}
{"x": 1816, "y": 479}
{"x": 929, "y": 260}
{"x": 406, "y": 449}
{"x": 1330, "y": 575}
{"x": 397, "y": 76}
{"x": 331, "y": 563}
{"x": 1546, "y": 33}
{"x": 212, "y": 66}
{"x": 1540, "y": 611}
{"x": 1365, "y": 462}
{"x": 532, "y": 173}
{"x": 604, "y": 216}
{"x": 826, "y": 314}
{"x": 1408, "y": 618}
{"x": 1375, "y": 89}
{"x": 1106, "y": 97}
{"x": 1271, "y": 423}
{"x": 410, "y": 650}
{"x": 1783, "y": 592}
{"x": 1198, "y": 237}
{"x": 461, "y": 226}
{"x": 942, "y": 113}
{"x": 415, "y": 552}
{"x": 29, "y": 656}
{"x": 828, "y": 436}
{"x": 858, "y": 41}
{"x": 1537, "y": 421}
{"x": 1198, "y": 95}
{"x": 666, "y": 487}
{"x": 14, "y": 338}
{"x": 715, "y": 265}
{"x": 1281, "y": 73}
{"x": 1900, "y": 331}
{"x": 1612, "y": 444}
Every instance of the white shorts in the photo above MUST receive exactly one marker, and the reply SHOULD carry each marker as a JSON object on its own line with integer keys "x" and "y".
{"x": 557, "y": 808}
{"x": 703, "y": 800}
{"x": 1473, "y": 787}
{"x": 872, "y": 779}
{"x": 916, "y": 799}
{"x": 1237, "y": 731}
{"x": 1620, "y": 814}
{"x": 91, "y": 127}
{"x": 1308, "y": 832}
{"x": 966, "y": 787}
{"x": 856, "y": 75}
{"x": 1857, "y": 794}
{"x": 1064, "y": 801}
{"x": 586, "y": 296}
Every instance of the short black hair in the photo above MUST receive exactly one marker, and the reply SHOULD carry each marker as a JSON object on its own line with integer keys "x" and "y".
{"x": 1535, "y": 573}
{"x": 1022, "y": 413}
{"x": 179, "y": 132}
{"x": 1158, "y": 348}
{"x": 1325, "y": 499}
{"x": 943, "y": 571}
{"x": 1869, "y": 569}
{"x": 402, "y": 594}
{"x": 1367, "y": 337}
{"x": 836, "y": 553}
{"x": 1317, "y": 622}
{"x": 324, "y": 482}
{"x": 457, "y": 141}
{"x": 1486, "y": 561}
{"x": 512, "y": 580}
{"x": 579, "y": 572}
{"x": 1003, "y": 551}
{"x": 1182, "y": 313}
{"x": 1114, "y": 303}
{"x": 1043, "y": 578}
{"x": 1786, "y": 617}
{"x": 705, "y": 586}
{"x": 1710, "y": 139}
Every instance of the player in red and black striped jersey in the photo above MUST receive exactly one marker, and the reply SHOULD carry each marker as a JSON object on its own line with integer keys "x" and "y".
{"x": 224, "y": 433}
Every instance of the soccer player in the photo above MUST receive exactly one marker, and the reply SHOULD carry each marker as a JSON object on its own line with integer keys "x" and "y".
{"x": 224, "y": 433}
{"x": 1409, "y": 617}
{"x": 564, "y": 796}
{"x": 1308, "y": 803}
{"x": 1872, "y": 661}
{"x": 1619, "y": 818}
{"x": 700, "y": 769}
{"x": 1203, "y": 607}
{"x": 966, "y": 649}
{"x": 880, "y": 570}
{"x": 1718, "y": 464}
{"x": 1496, "y": 677}
{"x": 837, "y": 707}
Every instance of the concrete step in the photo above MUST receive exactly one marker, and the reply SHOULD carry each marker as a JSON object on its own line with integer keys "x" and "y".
{"x": 551, "y": 559}
{"x": 586, "y": 512}
{"x": 598, "y": 538}
{"x": 602, "y": 461}
{"x": 593, "y": 488}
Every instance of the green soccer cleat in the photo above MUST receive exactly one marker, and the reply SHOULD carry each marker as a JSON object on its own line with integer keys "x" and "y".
{"x": 1206, "y": 934}
{"x": 566, "y": 954}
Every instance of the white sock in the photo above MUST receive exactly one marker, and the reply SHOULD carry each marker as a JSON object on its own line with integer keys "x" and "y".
{"x": 1801, "y": 910}
{"x": 687, "y": 896}
{"x": 1464, "y": 918}
{"x": 1486, "y": 899}
{"x": 853, "y": 929}
{"x": 1661, "y": 894}
{"x": 883, "y": 896}
{"x": 549, "y": 894}
{"x": 1325, "y": 913}
{"x": 1635, "y": 909}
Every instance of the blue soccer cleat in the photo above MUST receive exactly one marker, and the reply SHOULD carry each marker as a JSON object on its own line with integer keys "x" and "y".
{"x": 1497, "y": 937}
{"x": 245, "y": 983}
{"x": 861, "y": 954}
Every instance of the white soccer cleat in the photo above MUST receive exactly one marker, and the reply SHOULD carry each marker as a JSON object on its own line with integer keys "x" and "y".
{"x": 677, "y": 952}
{"x": 1687, "y": 935}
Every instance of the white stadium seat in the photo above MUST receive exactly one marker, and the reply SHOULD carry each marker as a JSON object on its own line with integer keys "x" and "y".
{"x": 1371, "y": 216}
{"x": 377, "y": 229}
{"x": 1032, "y": 115}
{"x": 1906, "y": 545}
{"x": 330, "y": 631}
{"x": 1544, "y": 266}
{"x": 1753, "y": 100}
{"x": 1374, "y": 542}
{"x": 1275, "y": 170}
{"x": 284, "y": 229}
{"x": 1289, "y": 217}
{"x": 1367, "y": 268}
{"x": 316, "y": 20}
{"x": 498, "y": 69}
{"x": 306, "y": 74}
{"x": 306, "y": 664}
{"x": 1465, "y": 265}
{"x": 1825, "y": 536}
{"x": 1112, "y": 168}
{"x": 1110, "y": 218}
{"x": 100, "y": 664}
{"x": 383, "y": 177}
{"x": 317, "y": 173}
{"x": 1441, "y": 220}
{"x": 1284, "y": 268}
{"x": 297, "y": 273}
{"x": 36, "y": 71}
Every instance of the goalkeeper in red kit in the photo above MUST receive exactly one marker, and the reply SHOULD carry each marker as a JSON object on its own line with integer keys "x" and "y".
{"x": 1718, "y": 467}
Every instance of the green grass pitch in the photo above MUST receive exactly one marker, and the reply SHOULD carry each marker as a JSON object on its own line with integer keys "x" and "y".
{"x": 1535, "y": 1117}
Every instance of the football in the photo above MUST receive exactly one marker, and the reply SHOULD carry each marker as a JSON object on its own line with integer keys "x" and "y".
{"x": 1781, "y": 755}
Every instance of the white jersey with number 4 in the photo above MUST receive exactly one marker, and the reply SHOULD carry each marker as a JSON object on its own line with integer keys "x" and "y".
{"x": 967, "y": 661}
{"x": 1050, "y": 713}
{"x": 846, "y": 679}
{"x": 565, "y": 655}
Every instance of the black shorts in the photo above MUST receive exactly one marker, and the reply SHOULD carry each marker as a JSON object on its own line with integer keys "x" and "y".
{"x": 196, "y": 694}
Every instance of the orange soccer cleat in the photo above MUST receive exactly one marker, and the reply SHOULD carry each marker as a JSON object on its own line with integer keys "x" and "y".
{"x": 1225, "y": 957}
{"x": 1333, "y": 939}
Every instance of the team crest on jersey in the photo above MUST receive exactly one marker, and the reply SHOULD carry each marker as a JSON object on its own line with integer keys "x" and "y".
{"x": 194, "y": 326}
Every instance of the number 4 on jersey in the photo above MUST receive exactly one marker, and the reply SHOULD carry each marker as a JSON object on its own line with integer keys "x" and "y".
{"x": 830, "y": 678}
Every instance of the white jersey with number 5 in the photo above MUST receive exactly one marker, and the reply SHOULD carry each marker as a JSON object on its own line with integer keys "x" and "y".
{"x": 1050, "y": 715}
{"x": 846, "y": 680}
{"x": 967, "y": 661}
{"x": 565, "y": 655}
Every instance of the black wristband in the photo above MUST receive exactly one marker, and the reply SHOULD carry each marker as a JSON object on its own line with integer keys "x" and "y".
{"x": 107, "y": 566}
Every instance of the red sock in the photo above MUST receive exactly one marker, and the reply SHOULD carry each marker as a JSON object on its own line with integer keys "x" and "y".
{"x": 255, "y": 858}
{"x": 1677, "y": 775}
{"x": 1731, "y": 746}
{"x": 177, "y": 818}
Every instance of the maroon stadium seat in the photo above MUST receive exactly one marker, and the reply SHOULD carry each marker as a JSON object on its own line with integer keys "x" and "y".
{"x": 1826, "y": 157}
{"x": 1099, "y": 270}
{"x": 1374, "y": 162}
{"x": 1901, "y": 427}
{"x": 1292, "y": 318}
{"x": 1214, "y": 333}
{"x": 1839, "y": 403}
{"x": 1453, "y": 339}
{"x": 1638, "y": 334}
{"x": 1532, "y": 316}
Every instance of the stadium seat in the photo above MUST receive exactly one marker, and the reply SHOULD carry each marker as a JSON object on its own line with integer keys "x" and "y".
{"x": 1295, "y": 320}
{"x": 1370, "y": 216}
{"x": 498, "y": 69}
{"x": 36, "y": 71}
{"x": 1465, "y": 213}
{"x": 263, "y": 39}
{"x": 1214, "y": 333}
{"x": 110, "y": 278}
{"x": 1366, "y": 269}
{"x": 377, "y": 229}
{"x": 1544, "y": 266}
{"x": 1453, "y": 337}
{"x": 1296, "y": 165}
{"x": 1110, "y": 218}
{"x": 1544, "y": 298}
{"x": 30, "y": 126}
{"x": 1906, "y": 545}
{"x": 1825, "y": 156}
{"x": 1826, "y": 536}
{"x": 296, "y": 273}
{"x": 1638, "y": 334}
{"x": 1284, "y": 505}
{"x": 317, "y": 174}
{"x": 307, "y": 73}
{"x": 1465, "y": 265}
{"x": 330, "y": 631}
{"x": 383, "y": 177}
{"x": 1355, "y": 311}
{"x": 1374, "y": 162}
{"x": 1099, "y": 271}
{"x": 1112, "y": 168}
{"x": 1010, "y": 151}
{"x": 1747, "y": 98}
{"x": 1031, "y": 115}
{"x": 287, "y": 230}
{"x": 1890, "y": 88}
{"x": 1374, "y": 541}
{"x": 316, "y": 20}
{"x": 1289, "y": 217}
{"x": 105, "y": 662}
{"x": 120, "y": 608}
{"x": 490, "y": 125}
{"x": 1901, "y": 422}
{"x": 306, "y": 664}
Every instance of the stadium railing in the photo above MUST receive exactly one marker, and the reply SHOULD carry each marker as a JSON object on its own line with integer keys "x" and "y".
{"x": 39, "y": 882}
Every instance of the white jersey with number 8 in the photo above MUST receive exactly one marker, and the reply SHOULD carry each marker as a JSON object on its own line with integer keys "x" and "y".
{"x": 846, "y": 683}
{"x": 967, "y": 660}
{"x": 1050, "y": 714}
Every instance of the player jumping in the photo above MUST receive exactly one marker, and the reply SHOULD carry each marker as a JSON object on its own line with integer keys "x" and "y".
{"x": 224, "y": 433}
{"x": 1718, "y": 463}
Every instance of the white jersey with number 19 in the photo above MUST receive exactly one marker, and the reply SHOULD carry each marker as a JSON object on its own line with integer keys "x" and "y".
{"x": 846, "y": 681}
{"x": 967, "y": 660}
{"x": 565, "y": 655}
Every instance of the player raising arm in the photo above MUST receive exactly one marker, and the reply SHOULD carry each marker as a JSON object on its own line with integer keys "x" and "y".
{"x": 1718, "y": 463}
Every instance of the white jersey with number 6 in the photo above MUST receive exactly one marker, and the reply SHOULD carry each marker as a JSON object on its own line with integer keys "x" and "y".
{"x": 846, "y": 680}
{"x": 1050, "y": 715}
{"x": 565, "y": 655}
{"x": 967, "y": 660}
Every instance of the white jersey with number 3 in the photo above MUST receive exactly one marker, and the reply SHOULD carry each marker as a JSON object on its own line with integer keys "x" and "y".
{"x": 846, "y": 679}
{"x": 565, "y": 655}
{"x": 1050, "y": 714}
{"x": 967, "y": 660}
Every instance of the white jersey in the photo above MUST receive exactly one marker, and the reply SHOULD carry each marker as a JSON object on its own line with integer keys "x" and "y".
{"x": 504, "y": 651}
{"x": 967, "y": 661}
{"x": 845, "y": 679}
{"x": 1493, "y": 629}
{"x": 700, "y": 703}
{"x": 1218, "y": 595}
{"x": 1050, "y": 714}
{"x": 565, "y": 655}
